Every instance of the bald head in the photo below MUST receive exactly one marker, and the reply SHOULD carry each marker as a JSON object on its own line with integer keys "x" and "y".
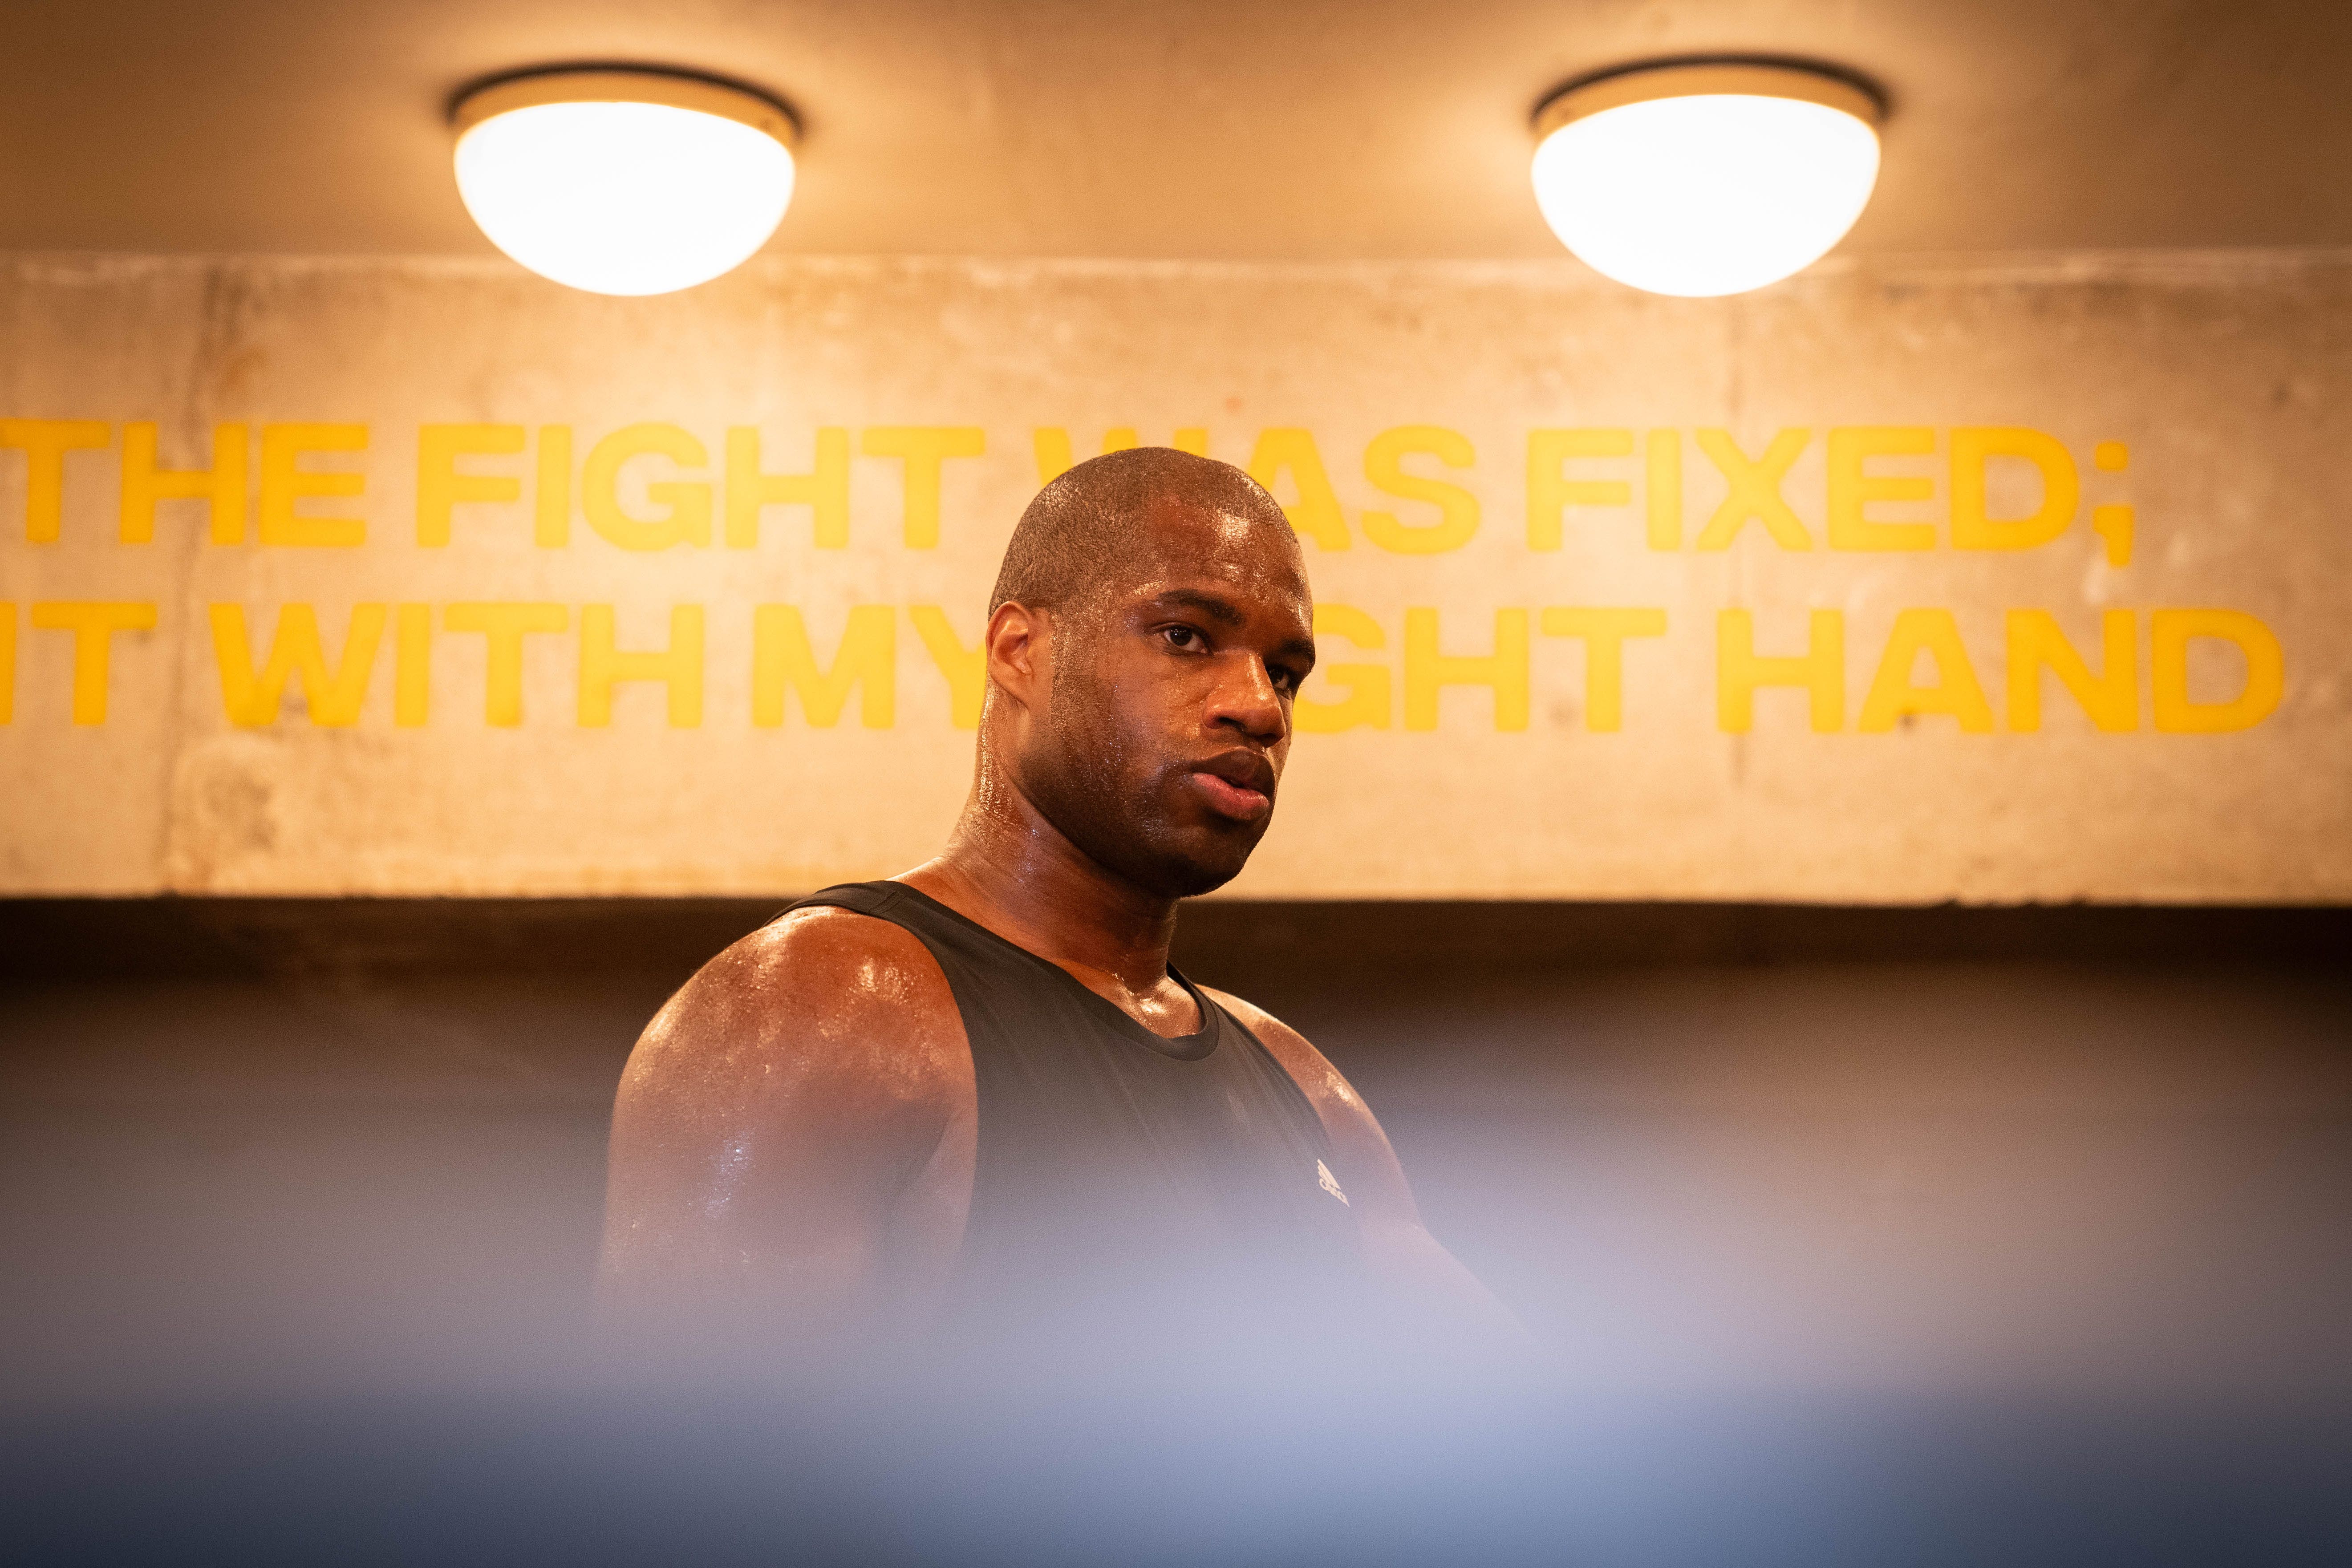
{"x": 1088, "y": 527}
{"x": 1149, "y": 632}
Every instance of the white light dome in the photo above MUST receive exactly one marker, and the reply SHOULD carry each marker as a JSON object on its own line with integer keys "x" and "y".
{"x": 623, "y": 181}
{"x": 1708, "y": 179}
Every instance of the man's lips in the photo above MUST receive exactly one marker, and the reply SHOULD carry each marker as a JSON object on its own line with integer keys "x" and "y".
{"x": 1239, "y": 784}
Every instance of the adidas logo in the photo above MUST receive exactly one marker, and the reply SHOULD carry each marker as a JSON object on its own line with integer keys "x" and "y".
{"x": 1330, "y": 1182}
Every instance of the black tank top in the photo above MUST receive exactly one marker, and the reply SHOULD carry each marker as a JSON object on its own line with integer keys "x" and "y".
{"x": 1121, "y": 1175}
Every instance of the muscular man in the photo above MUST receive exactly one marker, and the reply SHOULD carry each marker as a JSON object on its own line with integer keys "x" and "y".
{"x": 979, "y": 1086}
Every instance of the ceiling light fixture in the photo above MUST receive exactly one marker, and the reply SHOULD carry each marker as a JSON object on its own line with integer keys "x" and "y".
{"x": 623, "y": 181}
{"x": 1705, "y": 178}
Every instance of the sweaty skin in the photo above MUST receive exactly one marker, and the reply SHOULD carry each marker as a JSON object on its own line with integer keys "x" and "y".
{"x": 793, "y": 1143}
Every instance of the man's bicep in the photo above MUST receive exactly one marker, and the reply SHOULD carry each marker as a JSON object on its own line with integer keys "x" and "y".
{"x": 763, "y": 1127}
{"x": 727, "y": 1175}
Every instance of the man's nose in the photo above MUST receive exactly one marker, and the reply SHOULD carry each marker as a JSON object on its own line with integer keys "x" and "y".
{"x": 1245, "y": 700}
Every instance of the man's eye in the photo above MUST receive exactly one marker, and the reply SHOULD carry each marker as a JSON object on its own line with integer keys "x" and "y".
{"x": 1284, "y": 680}
{"x": 1181, "y": 637}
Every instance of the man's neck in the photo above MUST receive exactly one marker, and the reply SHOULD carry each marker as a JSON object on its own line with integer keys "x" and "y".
{"x": 1014, "y": 872}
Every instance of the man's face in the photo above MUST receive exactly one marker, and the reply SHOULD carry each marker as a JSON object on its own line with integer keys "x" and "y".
{"x": 1166, "y": 720}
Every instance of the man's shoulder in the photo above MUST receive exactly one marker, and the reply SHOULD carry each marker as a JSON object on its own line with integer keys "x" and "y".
{"x": 1256, "y": 1019}
{"x": 818, "y": 969}
{"x": 813, "y": 943}
{"x": 1296, "y": 1054}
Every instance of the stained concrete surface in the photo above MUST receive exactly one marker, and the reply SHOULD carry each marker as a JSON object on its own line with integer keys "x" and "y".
{"x": 2227, "y": 376}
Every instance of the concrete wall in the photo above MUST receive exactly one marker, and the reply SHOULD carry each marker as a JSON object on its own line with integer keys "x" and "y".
{"x": 2156, "y": 439}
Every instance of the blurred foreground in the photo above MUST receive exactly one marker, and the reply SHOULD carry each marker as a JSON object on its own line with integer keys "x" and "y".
{"x": 1854, "y": 1236}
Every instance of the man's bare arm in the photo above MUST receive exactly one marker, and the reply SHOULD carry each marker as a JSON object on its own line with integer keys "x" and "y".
{"x": 785, "y": 1141}
{"x": 1397, "y": 1244}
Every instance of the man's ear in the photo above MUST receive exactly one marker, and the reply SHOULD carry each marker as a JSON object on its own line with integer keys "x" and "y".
{"x": 1019, "y": 645}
